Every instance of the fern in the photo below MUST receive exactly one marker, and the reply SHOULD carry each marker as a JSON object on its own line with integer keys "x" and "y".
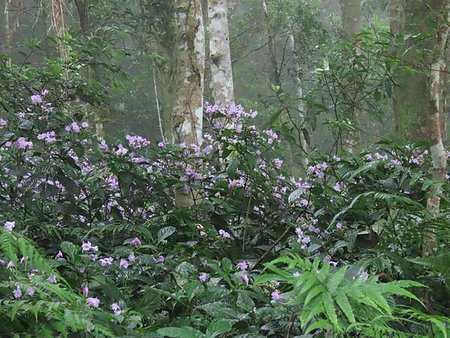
{"x": 333, "y": 299}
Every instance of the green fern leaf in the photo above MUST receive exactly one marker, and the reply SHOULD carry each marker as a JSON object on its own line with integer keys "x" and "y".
{"x": 344, "y": 304}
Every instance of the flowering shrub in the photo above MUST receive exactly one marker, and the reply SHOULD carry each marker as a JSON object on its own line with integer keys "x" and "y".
{"x": 117, "y": 258}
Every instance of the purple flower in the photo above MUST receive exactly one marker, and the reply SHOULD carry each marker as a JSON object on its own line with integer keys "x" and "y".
{"x": 10, "y": 265}
{"x": 30, "y": 292}
{"x": 135, "y": 241}
{"x": 9, "y": 226}
{"x": 73, "y": 127}
{"x": 84, "y": 125}
{"x": 396, "y": 162}
{"x": 87, "y": 246}
{"x": 106, "y": 261}
{"x": 17, "y": 293}
{"x": 242, "y": 265}
{"x": 36, "y": 99}
{"x": 137, "y": 142}
{"x": 123, "y": 263}
{"x": 158, "y": 260}
{"x": 59, "y": 255}
{"x": 116, "y": 308}
{"x": 44, "y": 92}
{"x": 224, "y": 234}
{"x": 132, "y": 257}
{"x": 277, "y": 296}
{"x": 52, "y": 279}
{"x": 3, "y": 123}
{"x": 121, "y": 150}
{"x": 339, "y": 225}
{"x": 93, "y": 302}
{"x": 278, "y": 163}
{"x": 244, "y": 278}
{"x": 23, "y": 143}
{"x": 85, "y": 291}
{"x": 203, "y": 277}
{"x": 48, "y": 137}
{"x": 103, "y": 146}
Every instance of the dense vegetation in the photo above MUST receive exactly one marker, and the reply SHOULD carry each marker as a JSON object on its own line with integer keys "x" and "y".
{"x": 298, "y": 220}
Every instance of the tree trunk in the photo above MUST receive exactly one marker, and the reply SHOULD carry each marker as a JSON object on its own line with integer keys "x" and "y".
{"x": 59, "y": 25}
{"x": 351, "y": 25}
{"x": 8, "y": 31}
{"x": 222, "y": 89}
{"x": 351, "y": 17}
{"x": 187, "y": 115}
{"x": 299, "y": 97}
{"x": 412, "y": 94}
{"x": 85, "y": 24}
{"x": 437, "y": 125}
{"x": 274, "y": 73}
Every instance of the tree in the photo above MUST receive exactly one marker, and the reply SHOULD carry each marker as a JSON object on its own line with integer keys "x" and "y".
{"x": 59, "y": 25}
{"x": 187, "y": 115}
{"x": 420, "y": 95}
{"x": 219, "y": 52}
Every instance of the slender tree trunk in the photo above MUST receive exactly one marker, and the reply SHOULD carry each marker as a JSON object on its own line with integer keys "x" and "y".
{"x": 222, "y": 88}
{"x": 300, "y": 105}
{"x": 351, "y": 25}
{"x": 351, "y": 17}
{"x": 187, "y": 115}
{"x": 274, "y": 73}
{"x": 85, "y": 24}
{"x": 59, "y": 25}
{"x": 8, "y": 31}
{"x": 437, "y": 125}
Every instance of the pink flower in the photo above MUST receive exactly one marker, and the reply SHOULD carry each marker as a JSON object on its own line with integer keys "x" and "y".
{"x": 339, "y": 225}
{"x": 106, "y": 261}
{"x": 121, "y": 150}
{"x": 9, "y": 226}
{"x": 85, "y": 291}
{"x": 85, "y": 125}
{"x": 135, "y": 242}
{"x": 87, "y": 246}
{"x": 10, "y": 265}
{"x": 3, "y": 123}
{"x": 93, "y": 302}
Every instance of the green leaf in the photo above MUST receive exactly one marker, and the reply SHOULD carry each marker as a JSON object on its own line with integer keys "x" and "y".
{"x": 330, "y": 309}
{"x": 317, "y": 290}
{"x": 344, "y": 305}
{"x": 165, "y": 233}
{"x": 217, "y": 328}
{"x": 336, "y": 279}
{"x": 180, "y": 332}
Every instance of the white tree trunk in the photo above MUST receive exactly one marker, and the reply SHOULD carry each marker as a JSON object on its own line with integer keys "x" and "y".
{"x": 187, "y": 115}
{"x": 437, "y": 127}
{"x": 59, "y": 25}
{"x": 219, "y": 51}
{"x": 300, "y": 106}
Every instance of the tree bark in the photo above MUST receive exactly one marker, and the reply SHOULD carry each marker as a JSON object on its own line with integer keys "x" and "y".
{"x": 222, "y": 88}
{"x": 187, "y": 115}
{"x": 59, "y": 25}
{"x": 300, "y": 105}
{"x": 437, "y": 125}
{"x": 351, "y": 17}
{"x": 85, "y": 24}
{"x": 274, "y": 73}
{"x": 351, "y": 25}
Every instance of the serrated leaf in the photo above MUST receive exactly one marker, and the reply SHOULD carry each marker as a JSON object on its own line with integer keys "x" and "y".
{"x": 345, "y": 306}
{"x": 336, "y": 279}
{"x": 330, "y": 309}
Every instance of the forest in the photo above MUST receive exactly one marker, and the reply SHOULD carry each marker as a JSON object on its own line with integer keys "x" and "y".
{"x": 224, "y": 168}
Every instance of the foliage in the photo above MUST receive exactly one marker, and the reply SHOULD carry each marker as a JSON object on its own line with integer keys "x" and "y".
{"x": 90, "y": 225}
